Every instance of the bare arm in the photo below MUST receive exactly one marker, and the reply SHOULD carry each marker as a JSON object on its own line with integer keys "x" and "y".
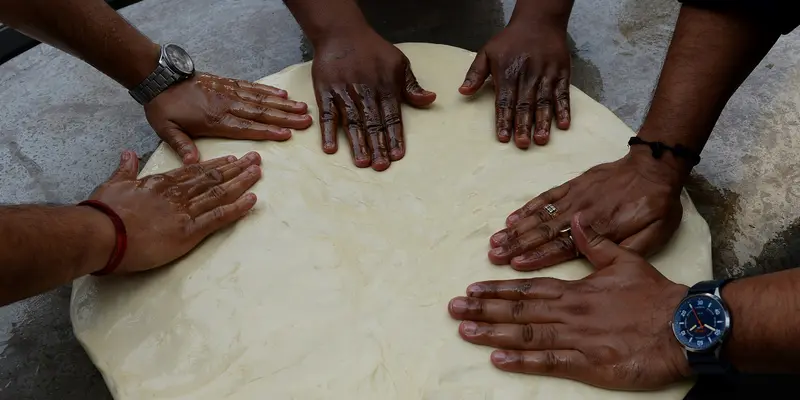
{"x": 320, "y": 20}
{"x": 88, "y": 29}
{"x": 765, "y": 311}
{"x": 543, "y": 11}
{"x": 711, "y": 54}
{"x": 42, "y": 247}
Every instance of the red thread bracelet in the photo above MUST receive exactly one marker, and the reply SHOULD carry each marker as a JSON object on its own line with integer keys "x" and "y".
{"x": 121, "y": 243}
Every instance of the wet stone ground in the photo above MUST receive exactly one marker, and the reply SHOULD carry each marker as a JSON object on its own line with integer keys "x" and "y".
{"x": 62, "y": 126}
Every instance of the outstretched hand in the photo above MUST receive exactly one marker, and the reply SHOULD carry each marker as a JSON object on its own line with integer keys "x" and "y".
{"x": 634, "y": 201}
{"x": 360, "y": 81}
{"x": 530, "y": 68}
{"x": 610, "y": 329}
{"x": 207, "y": 105}
{"x": 167, "y": 215}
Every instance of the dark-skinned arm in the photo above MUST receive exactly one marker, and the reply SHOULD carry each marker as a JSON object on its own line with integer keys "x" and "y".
{"x": 765, "y": 314}
{"x": 711, "y": 53}
{"x": 543, "y": 11}
{"x": 319, "y": 22}
{"x": 43, "y": 247}
{"x": 88, "y": 29}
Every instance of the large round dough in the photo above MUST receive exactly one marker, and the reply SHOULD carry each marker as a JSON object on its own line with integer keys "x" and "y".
{"x": 336, "y": 285}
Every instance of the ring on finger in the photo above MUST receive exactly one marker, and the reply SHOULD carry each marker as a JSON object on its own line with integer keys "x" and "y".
{"x": 567, "y": 232}
{"x": 551, "y": 209}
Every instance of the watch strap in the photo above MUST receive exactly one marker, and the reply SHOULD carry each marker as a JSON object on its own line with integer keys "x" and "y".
{"x": 155, "y": 83}
{"x": 709, "y": 287}
{"x": 708, "y": 363}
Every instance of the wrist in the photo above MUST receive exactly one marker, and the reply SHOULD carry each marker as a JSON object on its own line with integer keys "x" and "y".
{"x": 668, "y": 169}
{"x": 536, "y": 13}
{"x": 142, "y": 62}
{"x": 673, "y": 296}
{"x": 99, "y": 240}
{"x": 353, "y": 29}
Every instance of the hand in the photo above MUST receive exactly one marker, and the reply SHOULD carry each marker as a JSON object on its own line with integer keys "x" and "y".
{"x": 610, "y": 329}
{"x": 167, "y": 215}
{"x": 530, "y": 66}
{"x": 634, "y": 201}
{"x": 360, "y": 81}
{"x": 210, "y": 106}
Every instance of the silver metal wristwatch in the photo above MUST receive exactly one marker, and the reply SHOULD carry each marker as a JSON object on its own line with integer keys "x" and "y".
{"x": 174, "y": 65}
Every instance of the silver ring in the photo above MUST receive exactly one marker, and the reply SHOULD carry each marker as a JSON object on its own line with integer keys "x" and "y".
{"x": 567, "y": 232}
{"x": 551, "y": 209}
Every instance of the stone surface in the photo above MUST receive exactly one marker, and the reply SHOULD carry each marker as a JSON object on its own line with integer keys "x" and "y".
{"x": 62, "y": 126}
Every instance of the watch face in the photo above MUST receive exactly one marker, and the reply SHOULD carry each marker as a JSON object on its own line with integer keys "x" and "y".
{"x": 700, "y": 322}
{"x": 179, "y": 59}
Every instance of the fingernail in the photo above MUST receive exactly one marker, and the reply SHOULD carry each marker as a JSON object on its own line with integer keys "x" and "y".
{"x": 231, "y": 158}
{"x": 499, "y": 356}
{"x": 499, "y": 237}
{"x": 474, "y": 290}
{"x": 459, "y": 305}
{"x": 512, "y": 219}
{"x": 469, "y": 327}
{"x": 498, "y": 251}
{"x": 467, "y": 83}
{"x": 126, "y": 155}
{"x": 252, "y": 156}
{"x": 504, "y": 133}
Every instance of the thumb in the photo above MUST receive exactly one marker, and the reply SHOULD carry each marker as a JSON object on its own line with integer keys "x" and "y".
{"x": 182, "y": 144}
{"x": 413, "y": 92}
{"x": 128, "y": 167}
{"x": 600, "y": 251}
{"x": 476, "y": 76}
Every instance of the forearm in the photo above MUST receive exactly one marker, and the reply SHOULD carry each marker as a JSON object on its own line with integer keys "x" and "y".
{"x": 42, "y": 247}
{"x": 542, "y": 11}
{"x": 321, "y": 19}
{"x": 765, "y": 315}
{"x": 88, "y": 29}
{"x": 711, "y": 53}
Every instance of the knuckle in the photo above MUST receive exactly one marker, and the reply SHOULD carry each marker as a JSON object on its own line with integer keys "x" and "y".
{"x": 564, "y": 245}
{"x": 542, "y": 215}
{"x": 214, "y": 175}
{"x": 543, "y": 101}
{"x": 546, "y": 231}
{"x": 215, "y": 117}
{"x": 550, "y": 362}
{"x": 217, "y": 192}
{"x": 353, "y": 118}
{"x": 523, "y": 106}
{"x": 475, "y": 306}
{"x": 196, "y": 169}
{"x": 524, "y": 288}
{"x": 218, "y": 213}
{"x": 517, "y": 309}
{"x": 504, "y": 99}
{"x": 374, "y": 128}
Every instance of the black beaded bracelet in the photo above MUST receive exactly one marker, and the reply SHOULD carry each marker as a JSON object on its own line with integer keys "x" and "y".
{"x": 658, "y": 149}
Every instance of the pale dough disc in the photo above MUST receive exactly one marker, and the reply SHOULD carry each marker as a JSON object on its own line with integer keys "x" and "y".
{"x": 336, "y": 285}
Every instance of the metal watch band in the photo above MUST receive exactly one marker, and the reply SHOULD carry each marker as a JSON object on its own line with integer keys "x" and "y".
{"x": 157, "y": 82}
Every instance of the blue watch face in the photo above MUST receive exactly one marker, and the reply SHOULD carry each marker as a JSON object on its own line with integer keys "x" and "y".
{"x": 700, "y": 322}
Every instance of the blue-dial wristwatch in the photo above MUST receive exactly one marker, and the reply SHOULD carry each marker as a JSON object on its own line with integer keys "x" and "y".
{"x": 700, "y": 323}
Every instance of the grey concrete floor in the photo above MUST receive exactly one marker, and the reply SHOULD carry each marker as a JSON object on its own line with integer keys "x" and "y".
{"x": 62, "y": 126}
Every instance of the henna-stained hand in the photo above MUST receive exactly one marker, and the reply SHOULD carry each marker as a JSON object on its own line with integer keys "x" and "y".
{"x": 210, "y": 106}
{"x": 360, "y": 81}
{"x": 530, "y": 68}
{"x": 167, "y": 215}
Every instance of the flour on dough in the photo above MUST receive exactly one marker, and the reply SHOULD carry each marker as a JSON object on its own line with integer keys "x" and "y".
{"x": 336, "y": 286}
